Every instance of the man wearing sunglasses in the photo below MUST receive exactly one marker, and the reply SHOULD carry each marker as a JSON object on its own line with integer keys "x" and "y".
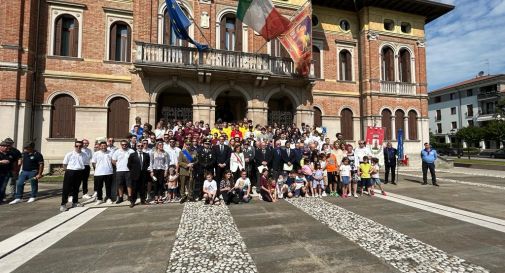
{"x": 73, "y": 164}
{"x": 87, "y": 168}
{"x": 123, "y": 179}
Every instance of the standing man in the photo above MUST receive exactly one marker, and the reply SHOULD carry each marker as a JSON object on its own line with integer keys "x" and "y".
{"x": 73, "y": 164}
{"x": 187, "y": 160}
{"x": 5, "y": 168}
{"x": 390, "y": 154}
{"x": 138, "y": 164}
{"x": 288, "y": 158}
{"x": 263, "y": 157}
{"x": 277, "y": 160}
{"x": 361, "y": 151}
{"x": 102, "y": 164}
{"x": 120, "y": 160}
{"x": 221, "y": 154}
{"x": 87, "y": 168}
{"x": 32, "y": 166}
{"x": 172, "y": 150}
{"x": 205, "y": 165}
{"x": 15, "y": 156}
{"x": 429, "y": 156}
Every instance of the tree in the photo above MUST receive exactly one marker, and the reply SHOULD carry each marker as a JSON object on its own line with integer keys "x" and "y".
{"x": 470, "y": 134}
{"x": 495, "y": 130}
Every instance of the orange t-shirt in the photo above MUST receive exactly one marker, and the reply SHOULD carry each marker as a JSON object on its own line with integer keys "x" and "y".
{"x": 331, "y": 163}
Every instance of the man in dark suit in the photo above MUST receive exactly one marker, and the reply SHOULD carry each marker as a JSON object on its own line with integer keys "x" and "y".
{"x": 276, "y": 160}
{"x": 288, "y": 158}
{"x": 138, "y": 163}
{"x": 205, "y": 165}
{"x": 221, "y": 154}
{"x": 262, "y": 157}
{"x": 390, "y": 162}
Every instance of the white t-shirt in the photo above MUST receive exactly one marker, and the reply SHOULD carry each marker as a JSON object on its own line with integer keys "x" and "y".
{"x": 103, "y": 163}
{"x": 375, "y": 168}
{"x": 121, "y": 156}
{"x": 173, "y": 153}
{"x": 210, "y": 186}
{"x": 345, "y": 170}
{"x": 74, "y": 160}
{"x": 361, "y": 152}
{"x": 243, "y": 183}
{"x": 89, "y": 154}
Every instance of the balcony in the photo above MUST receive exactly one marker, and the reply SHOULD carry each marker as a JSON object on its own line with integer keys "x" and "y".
{"x": 176, "y": 57}
{"x": 398, "y": 88}
{"x": 494, "y": 95}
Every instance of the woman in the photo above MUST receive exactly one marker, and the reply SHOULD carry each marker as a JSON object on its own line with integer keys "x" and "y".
{"x": 159, "y": 131}
{"x": 225, "y": 188}
{"x": 265, "y": 192}
{"x": 237, "y": 162}
{"x": 159, "y": 171}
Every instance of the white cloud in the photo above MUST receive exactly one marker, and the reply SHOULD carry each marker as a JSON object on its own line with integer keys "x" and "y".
{"x": 465, "y": 41}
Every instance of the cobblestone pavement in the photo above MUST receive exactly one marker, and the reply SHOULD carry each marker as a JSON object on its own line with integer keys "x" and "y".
{"x": 208, "y": 241}
{"x": 402, "y": 252}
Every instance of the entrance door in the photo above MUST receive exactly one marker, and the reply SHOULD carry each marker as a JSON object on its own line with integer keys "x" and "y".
{"x": 231, "y": 107}
{"x": 280, "y": 110}
{"x": 118, "y": 118}
{"x": 174, "y": 104}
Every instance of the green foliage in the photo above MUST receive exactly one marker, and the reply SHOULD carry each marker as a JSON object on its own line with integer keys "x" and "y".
{"x": 470, "y": 135}
{"x": 495, "y": 130}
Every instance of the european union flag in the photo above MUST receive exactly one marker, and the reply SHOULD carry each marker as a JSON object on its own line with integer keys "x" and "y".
{"x": 399, "y": 149}
{"x": 180, "y": 24}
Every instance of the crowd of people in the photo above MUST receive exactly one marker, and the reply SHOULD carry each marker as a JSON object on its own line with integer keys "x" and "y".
{"x": 185, "y": 161}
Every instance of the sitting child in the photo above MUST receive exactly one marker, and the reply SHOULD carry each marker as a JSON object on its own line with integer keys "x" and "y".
{"x": 242, "y": 187}
{"x": 281, "y": 186}
{"x": 300, "y": 182}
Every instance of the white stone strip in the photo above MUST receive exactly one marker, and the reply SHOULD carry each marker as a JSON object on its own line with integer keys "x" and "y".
{"x": 397, "y": 249}
{"x": 12, "y": 243}
{"x": 482, "y": 185}
{"x": 458, "y": 214}
{"x": 208, "y": 241}
{"x": 14, "y": 260}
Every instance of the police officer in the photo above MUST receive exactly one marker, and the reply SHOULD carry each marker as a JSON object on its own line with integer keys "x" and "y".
{"x": 206, "y": 165}
{"x": 187, "y": 161}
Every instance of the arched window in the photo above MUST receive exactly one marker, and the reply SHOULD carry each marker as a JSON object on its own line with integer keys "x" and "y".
{"x": 387, "y": 64}
{"x": 120, "y": 42}
{"x": 63, "y": 117}
{"x": 169, "y": 37}
{"x": 231, "y": 33}
{"x": 318, "y": 117}
{"x": 400, "y": 122}
{"x": 345, "y": 65}
{"x": 66, "y": 38}
{"x": 346, "y": 124}
{"x": 412, "y": 125}
{"x": 118, "y": 116}
{"x": 405, "y": 74}
{"x": 386, "y": 123}
{"x": 316, "y": 57}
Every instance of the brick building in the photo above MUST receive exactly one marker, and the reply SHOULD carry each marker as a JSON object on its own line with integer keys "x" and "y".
{"x": 85, "y": 68}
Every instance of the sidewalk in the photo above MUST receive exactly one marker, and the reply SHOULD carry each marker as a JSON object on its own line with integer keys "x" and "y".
{"x": 461, "y": 170}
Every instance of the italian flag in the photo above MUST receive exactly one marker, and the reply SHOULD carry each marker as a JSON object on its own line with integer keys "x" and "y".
{"x": 262, "y": 16}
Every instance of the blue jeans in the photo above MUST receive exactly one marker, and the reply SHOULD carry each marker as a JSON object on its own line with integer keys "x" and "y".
{"x": 4, "y": 179}
{"x": 20, "y": 185}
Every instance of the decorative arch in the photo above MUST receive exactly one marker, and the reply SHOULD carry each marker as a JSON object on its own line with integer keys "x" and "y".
{"x": 219, "y": 16}
{"x": 289, "y": 93}
{"x": 185, "y": 4}
{"x": 413, "y": 109}
{"x": 388, "y": 63}
{"x": 53, "y": 95}
{"x": 321, "y": 108}
{"x": 344, "y": 107}
{"x": 173, "y": 83}
{"x": 318, "y": 116}
{"x": 227, "y": 87}
{"x": 116, "y": 95}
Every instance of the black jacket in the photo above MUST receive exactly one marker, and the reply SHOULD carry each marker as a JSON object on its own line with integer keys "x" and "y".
{"x": 390, "y": 160}
{"x": 259, "y": 157}
{"x": 221, "y": 157}
{"x": 134, "y": 166}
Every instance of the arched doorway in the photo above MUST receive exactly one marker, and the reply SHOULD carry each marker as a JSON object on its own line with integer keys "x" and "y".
{"x": 118, "y": 116}
{"x": 174, "y": 104}
{"x": 280, "y": 110}
{"x": 318, "y": 117}
{"x": 231, "y": 106}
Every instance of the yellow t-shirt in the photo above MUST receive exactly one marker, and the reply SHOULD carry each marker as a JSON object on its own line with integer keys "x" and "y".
{"x": 365, "y": 170}
{"x": 227, "y": 131}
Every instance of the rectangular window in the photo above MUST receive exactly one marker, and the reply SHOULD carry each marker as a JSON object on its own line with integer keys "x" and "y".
{"x": 438, "y": 99}
{"x": 439, "y": 128}
{"x": 452, "y": 96}
{"x": 469, "y": 92}
{"x": 453, "y": 111}
{"x": 469, "y": 110}
{"x": 438, "y": 115}
{"x": 454, "y": 125}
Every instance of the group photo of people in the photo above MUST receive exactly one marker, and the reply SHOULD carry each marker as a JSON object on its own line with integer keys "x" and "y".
{"x": 180, "y": 161}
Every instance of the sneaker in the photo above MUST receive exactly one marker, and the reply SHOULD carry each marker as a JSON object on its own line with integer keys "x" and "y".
{"x": 109, "y": 202}
{"x": 63, "y": 208}
{"x": 69, "y": 200}
{"x": 324, "y": 194}
{"x": 119, "y": 200}
{"x": 31, "y": 200}
{"x": 95, "y": 194}
{"x": 384, "y": 193}
{"x": 355, "y": 196}
{"x": 86, "y": 196}
{"x": 76, "y": 205}
{"x": 344, "y": 196}
{"x": 98, "y": 202}
{"x": 15, "y": 201}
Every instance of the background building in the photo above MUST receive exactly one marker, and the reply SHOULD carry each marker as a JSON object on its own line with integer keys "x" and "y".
{"x": 467, "y": 103}
{"x": 73, "y": 69}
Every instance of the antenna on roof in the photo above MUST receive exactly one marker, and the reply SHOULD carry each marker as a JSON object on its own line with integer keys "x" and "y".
{"x": 481, "y": 73}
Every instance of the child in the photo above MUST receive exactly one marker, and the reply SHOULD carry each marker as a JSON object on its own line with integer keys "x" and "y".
{"x": 322, "y": 162}
{"x": 273, "y": 189}
{"x": 354, "y": 170}
{"x": 318, "y": 181}
{"x": 209, "y": 189}
{"x": 345, "y": 177}
{"x": 365, "y": 168}
{"x": 172, "y": 184}
{"x": 300, "y": 182}
{"x": 375, "y": 175}
{"x": 281, "y": 186}
{"x": 290, "y": 185}
{"x": 307, "y": 172}
{"x": 242, "y": 187}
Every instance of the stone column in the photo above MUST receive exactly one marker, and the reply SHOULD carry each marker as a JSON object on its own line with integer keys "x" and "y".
{"x": 406, "y": 128}
{"x": 393, "y": 128}
{"x": 259, "y": 115}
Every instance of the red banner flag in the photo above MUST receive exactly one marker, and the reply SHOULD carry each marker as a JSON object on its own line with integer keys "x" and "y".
{"x": 375, "y": 137}
{"x": 298, "y": 41}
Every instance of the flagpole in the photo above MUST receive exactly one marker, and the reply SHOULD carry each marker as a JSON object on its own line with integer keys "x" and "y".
{"x": 199, "y": 29}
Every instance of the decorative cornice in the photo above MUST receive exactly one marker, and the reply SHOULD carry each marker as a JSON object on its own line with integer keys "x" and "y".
{"x": 86, "y": 76}
{"x": 120, "y": 11}
{"x": 66, "y": 4}
{"x": 372, "y": 35}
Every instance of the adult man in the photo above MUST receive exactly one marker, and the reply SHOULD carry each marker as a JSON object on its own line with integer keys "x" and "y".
{"x": 429, "y": 156}
{"x": 15, "y": 156}
{"x": 120, "y": 160}
{"x": 172, "y": 150}
{"x": 5, "y": 169}
{"x": 205, "y": 165}
{"x": 288, "y": 158}
{"x": 87, "y": 168}
{"x": 32, "y": 166}
{"x": 276, "y": 162}
{"x": 138, "y": 164}
{"x": 390, "y": 154}
{"x": 362, "y": 151}
{"x": 110, "y": 145}
{"x": 187, "y": 160}
{"x": 73, "y": 164}
{"x": 263, "y": 156}
{"x": 102, "y": 164}
{"x": 221, "y": 154}
{"x": 248, "y": 158}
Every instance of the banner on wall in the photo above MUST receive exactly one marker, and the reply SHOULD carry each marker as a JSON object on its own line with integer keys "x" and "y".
{"x": 375, "y": 140}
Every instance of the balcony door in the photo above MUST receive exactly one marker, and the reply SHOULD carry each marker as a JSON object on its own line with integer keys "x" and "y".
{"x": 231, "y": 33}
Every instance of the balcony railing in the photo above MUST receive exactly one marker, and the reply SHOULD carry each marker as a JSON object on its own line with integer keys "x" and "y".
{"x": 189, "y": 57}
{"x": 399, "y": 88}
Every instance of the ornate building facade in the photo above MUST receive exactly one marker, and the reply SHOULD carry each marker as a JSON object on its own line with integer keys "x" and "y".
{"x": 85, "y": 68}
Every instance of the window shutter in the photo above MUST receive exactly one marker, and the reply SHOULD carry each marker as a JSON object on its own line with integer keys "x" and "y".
{"x": 57, "y": 35}
{"x": 386, "y": 123}
{"x": 74, "y": 39}
{"x": 412, "y": 125}
{"x": 112, "y": 46}
{"x": 390, "y": 65}
{"x": 63, "y": 117}
{"x": 407, "y": 66}
{"x": 223, "y": 33}
{"x": 238, "y": 35}
{"x": 399, "y": 122}
{"x": 129, "y": 44}
{"x": 118, "y": 118}
{"x": 348, "y": 66}
{"x": 167, "y": 29}
{"x": 346, "y": 124}
{"x": 316, "y": 56}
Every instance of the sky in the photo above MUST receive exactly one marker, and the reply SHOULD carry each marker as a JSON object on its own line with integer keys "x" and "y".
{"x": 469, "y": 39}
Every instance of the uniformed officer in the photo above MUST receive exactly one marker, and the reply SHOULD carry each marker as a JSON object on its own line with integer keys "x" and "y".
{"x": 206, "y": 165}
{"x": 187, "y": 161}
